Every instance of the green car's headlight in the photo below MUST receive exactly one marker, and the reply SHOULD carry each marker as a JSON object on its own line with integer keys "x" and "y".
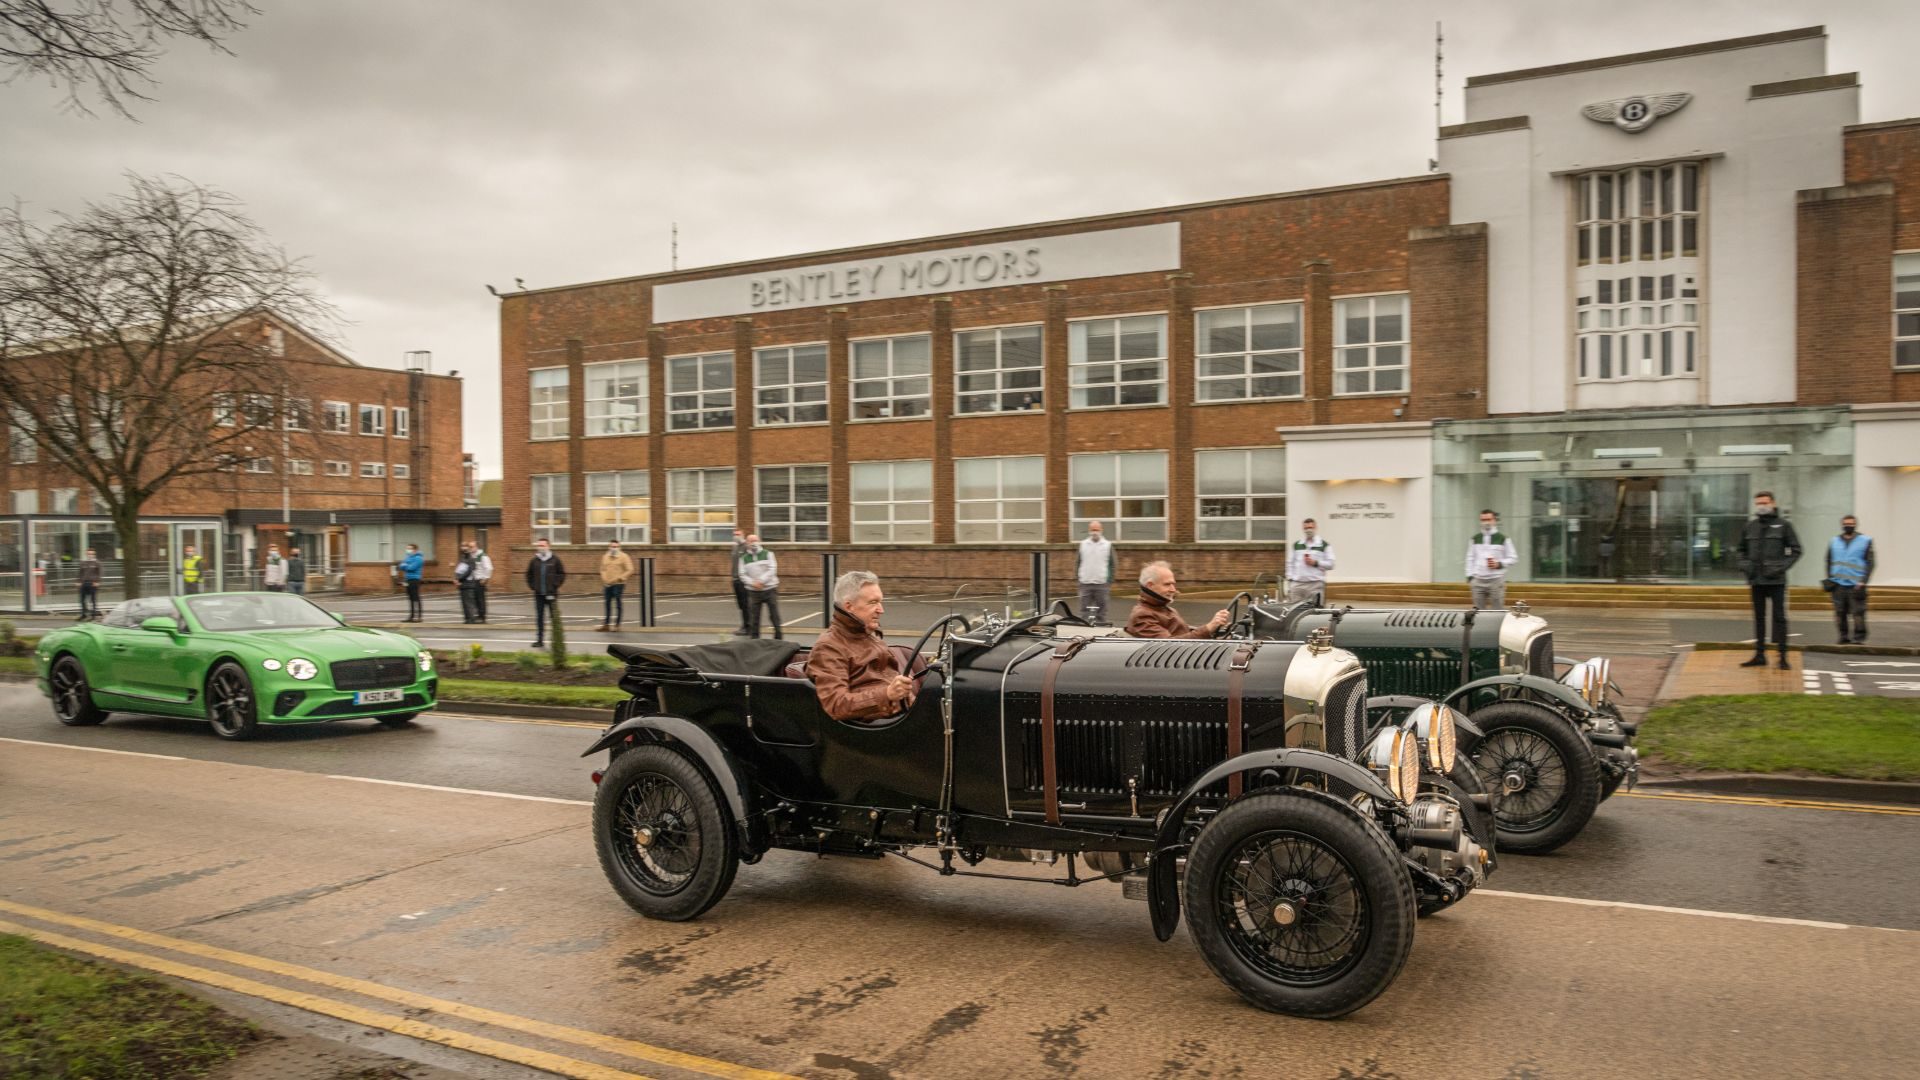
{"x": 270, "y": 664}
{"x": 426, "y": 660}
{"x": 301, "y": 668}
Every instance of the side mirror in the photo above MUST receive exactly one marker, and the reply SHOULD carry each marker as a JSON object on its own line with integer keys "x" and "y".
{"x": 160, "y": 624}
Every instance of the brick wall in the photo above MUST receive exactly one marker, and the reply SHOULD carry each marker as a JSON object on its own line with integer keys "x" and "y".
{"x": 1884, "y": 153}
{"x": 1845, "y": 294}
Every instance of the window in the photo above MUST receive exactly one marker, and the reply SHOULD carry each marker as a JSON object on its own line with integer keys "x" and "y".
{"x": 224, "y": 414}
{"x": 617, "y": 398}
{"x": 402, "y": 471}
{"x": 1247, "y": 353}
{"x": 1118, "y": 361}
{"x": 386, "y": 543}
{"x": 892, "y": 502}
{"x": 1370, "y": 345}
{"x": 1240, "y": 495}
{"x": 26, "y": 502}
{"x": 1125, "y": 492}
{"x": 63, "y": 500}
{"x": 373, "y": 420}
{"x": 334, "y": 417}
{"x": 997, "y": 370}
{"x": 297, "y": 467}
{"x": 1906, "y": 311}
{"x": 547, "y": 403}
{"x": 792, "y": 503}
{"x": 552, "y": 498}
{"x": 258, "y": 410}
{"x": 700, "y": 506}
{"x": 299, "y": 414}
{"x": 373, "y": 468}
{"x": 339, "y": 468}
{"x": 999, "y": 499}
{"x": 1636, "y": 282}
{"x": 790, "y": 385}
{"x": 21, "y": 447}
{"x": 700, "y": 392}
{"x": 402, "y": 422}
{"x": 619, "y": 506}
{"x": 260, "y": 465}
{"x": 892, "y": 377}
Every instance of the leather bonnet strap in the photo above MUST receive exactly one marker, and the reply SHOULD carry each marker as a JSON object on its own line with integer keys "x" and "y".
{"x": 1049, "y": 762}
{"x": 1236, "y": 725}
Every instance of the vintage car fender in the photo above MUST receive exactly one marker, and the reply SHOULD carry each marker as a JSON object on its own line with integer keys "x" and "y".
{"x": 1467, "y": 731}
{"x": 1555, "y": 693}
{"x": 1163, "y": 883}
{"x": 718, "y": 762}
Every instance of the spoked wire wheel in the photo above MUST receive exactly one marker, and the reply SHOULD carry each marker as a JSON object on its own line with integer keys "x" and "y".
{"x": 661, "y": 841}
{"x": 1531, "y": 776}
{"x": 1292, "y": 908}
{"x": 1544, "y": 776}
{"x": 666, "y": 840}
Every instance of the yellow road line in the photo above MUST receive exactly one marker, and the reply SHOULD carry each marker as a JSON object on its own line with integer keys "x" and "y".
{"x": 559, "y": 1032}
{"x": 516, "y": 720}
{"x": 1787, "y": 804}
{"x": 340, "y": 1010}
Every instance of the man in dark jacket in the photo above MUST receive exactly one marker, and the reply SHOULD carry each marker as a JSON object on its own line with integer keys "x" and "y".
{"x": 89, "y": 568}
{"x": 296, "y": 571}
{"x": 545, "y": 575}
{"x": 1768, "y": 549}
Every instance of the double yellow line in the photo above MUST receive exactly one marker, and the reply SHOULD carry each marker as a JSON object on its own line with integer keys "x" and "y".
{"x": 1784, "y": 804}
{"x": 356, "y": 1014}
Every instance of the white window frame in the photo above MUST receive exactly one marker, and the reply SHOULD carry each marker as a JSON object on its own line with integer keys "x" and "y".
{"x": 225, "y": 412}
{"x": 259, "y": 411}
{"x": 376, "y": 413}
{"x": 993, "y": 399}
{"x": 298, "y": 415}
{"x": 299, "y": 467}
{"x": 1631, "y": 228}
{"x": 706, "y": 404}
{"x": 707, "y": 510}
{"x": 881, "y": 521}
{"x": 1344, "y": 350}
{"x": 615, "y": 520}
{"x": 373, "y": 470}
{"x": 550, "y": 494}
{"x": 888, "y": 405}
{"x": 22, "y": 447}
{"x": 336, "y": 417}
{"x": 790, "y": 396}
{"x": 1245, "y": 376}
{"x": 602, "y": 419}
{"x": 1079, "y": 470}
{"x": 549, "y": 420}
{"x": 402, "y": 422}
{"x": 819, "y": 514}
{"x": 994, "y": 529}
{"x": 68, "y": 497}
{"x": 400, "y": 470}
{"x": 338, "y": 468}
{"x": 1083, "y": 385}
{"x": 260, "y": 465}
{"x": 26, "y": 500}
{"x": 1258, "y": 486}
{"x": 1912, "y": 314}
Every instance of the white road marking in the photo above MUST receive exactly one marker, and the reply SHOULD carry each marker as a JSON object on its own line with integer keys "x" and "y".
{"x": 95, "y": 749}
{"x": 1882, "y": 663}
{"x": 465, "y": 791}
{"x": 1701, "y": 912}
{"x": 802, "y": 618}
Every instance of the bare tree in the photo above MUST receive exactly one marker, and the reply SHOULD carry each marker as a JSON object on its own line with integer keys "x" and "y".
{"x": 135, "y": 341}
{"x": 107, "y": 47}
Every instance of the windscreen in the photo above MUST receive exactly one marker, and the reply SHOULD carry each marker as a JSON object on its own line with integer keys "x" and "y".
{"x": 258, "y": 611}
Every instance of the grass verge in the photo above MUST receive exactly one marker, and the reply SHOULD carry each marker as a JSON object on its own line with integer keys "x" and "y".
{"x": 1860, "y": 738}
{"x": 64, "y": 1017}
{"x": 16, "y": 665}
{"x": 514, "y": 693}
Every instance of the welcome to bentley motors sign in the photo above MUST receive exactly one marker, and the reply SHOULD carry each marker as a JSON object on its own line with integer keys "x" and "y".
{"x": 1136, "y": 250}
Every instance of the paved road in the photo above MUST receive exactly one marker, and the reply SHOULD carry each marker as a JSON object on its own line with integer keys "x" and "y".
{"x": 1849, "y": 675}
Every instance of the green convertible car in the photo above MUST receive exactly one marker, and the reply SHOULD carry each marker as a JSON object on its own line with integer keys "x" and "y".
{"x": 237, "y": 660}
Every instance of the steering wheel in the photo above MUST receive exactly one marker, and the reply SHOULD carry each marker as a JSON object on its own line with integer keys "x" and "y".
{"x": 1235, "y": 619}
{"x": 919, "y": 647}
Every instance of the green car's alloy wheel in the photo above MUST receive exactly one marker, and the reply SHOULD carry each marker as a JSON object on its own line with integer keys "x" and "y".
{"x": 72, "y": 697}
{"x": 230, "y": 703}
{"x": 1545, "y": 774}
{"x": 665, "y": 839}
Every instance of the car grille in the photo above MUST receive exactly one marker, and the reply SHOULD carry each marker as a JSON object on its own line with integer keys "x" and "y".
{"x": 1431, "y": 678}
{"x": 1346, "y": 713}
{"x": 1540, "y": 655}
{"x": 378, "y": 673}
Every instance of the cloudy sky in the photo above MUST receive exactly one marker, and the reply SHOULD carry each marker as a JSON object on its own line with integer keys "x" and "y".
{"x": 416, "y": 150}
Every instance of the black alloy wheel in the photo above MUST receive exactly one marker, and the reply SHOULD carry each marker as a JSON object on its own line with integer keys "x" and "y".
{"x": 1299, "y": 904}
{"x": 231, "y": 707}
{"x": 72, "y": 696}
{"x": 665, "y": 839}
{"x": 1544, "y": 774}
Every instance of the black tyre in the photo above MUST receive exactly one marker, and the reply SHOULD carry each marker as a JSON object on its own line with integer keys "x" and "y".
{"x": 1545, "y": 774}
{"x": 1298, "y": 904}
{"x": 664, "y": 836}
{"x": 231, "y": 708}
{"x": 401, "y": 720}
{"x": 72, "y": 694}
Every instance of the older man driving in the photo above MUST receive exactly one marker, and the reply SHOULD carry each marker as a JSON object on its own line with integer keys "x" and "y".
{"x": 853, "y": 671}
{"x": 1154, "y": 617}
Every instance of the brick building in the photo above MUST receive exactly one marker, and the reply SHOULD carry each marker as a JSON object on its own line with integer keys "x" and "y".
{"x": 1636, "y": 291}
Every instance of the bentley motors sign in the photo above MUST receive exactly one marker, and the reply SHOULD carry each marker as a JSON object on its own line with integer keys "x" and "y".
{"x": 1136, "y": 250}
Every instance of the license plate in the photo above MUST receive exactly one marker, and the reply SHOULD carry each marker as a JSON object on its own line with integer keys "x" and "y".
{"x": 376, "y": 697}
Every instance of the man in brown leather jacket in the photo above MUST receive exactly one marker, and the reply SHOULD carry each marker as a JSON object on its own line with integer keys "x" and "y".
{"x": 1154, "y": 617}
{"x": 853, "y": 671}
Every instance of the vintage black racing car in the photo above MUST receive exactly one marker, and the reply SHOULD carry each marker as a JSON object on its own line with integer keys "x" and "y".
{"x": 1552, "y": 743}
{"x": 1237, "y": 777}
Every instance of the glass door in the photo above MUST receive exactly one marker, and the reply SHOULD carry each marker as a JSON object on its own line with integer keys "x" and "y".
{"x": 204, "y": 542}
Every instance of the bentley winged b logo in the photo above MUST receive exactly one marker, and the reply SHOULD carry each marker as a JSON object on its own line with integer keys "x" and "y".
{"x": 1633, "y": 114}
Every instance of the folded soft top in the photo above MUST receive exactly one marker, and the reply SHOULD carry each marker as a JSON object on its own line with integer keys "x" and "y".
{"x": 748, "y": 656}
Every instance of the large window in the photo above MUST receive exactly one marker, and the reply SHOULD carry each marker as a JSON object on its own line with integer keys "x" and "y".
{"x": 335, "y": 417}
{"x": 700, "y": 506}
{"x": 1370, "y": 345}
{"x": 339, "y": 468}
{"x": 299, "y": 414}
{"x": 1637, "y": 276}
{"x": 1000, "y": 499}
{"x": 260, "y": 465}
{"x": 373, "y": 469}
{"x": 373, "y": 420}
{"x": 892, "y": 377}
{"x": 63, "y": 500}
{"x": 552, "y": 499}
{"x": 1906, "y": 310}
{"x": 402, "y": 471}
{"x": 997, "y": 370}
{"x": 1125, "y": 492}
{"x": 386, "y": 543}
{"x": 892, "y": 502}
{"x": 1247, "y": 353}
{"x": 1117, "y": 361}
{"x": 790, "y": 385}
{"x": 26, "y": 501}
{"x": 616, "y": 399}
{"x": 792, "y": 504}
{"x": 402, "y": 422}
{"x": 700, "y": 392}
{"x": 619, "y": 506}
{"x": 299, "y": 467}
{"x": 547, "y": 411}
{"x": 1240, "y": 495}
{"x": 21, "y": 447}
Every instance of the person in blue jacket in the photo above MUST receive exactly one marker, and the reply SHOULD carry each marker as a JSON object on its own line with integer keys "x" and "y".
{"x": 411, "y": 570}
{"x": 1849, "y": 565}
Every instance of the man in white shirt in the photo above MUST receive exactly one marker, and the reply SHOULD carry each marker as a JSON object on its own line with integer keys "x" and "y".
{"x": 760, "y": 576}
{"x": 481, "y": 574}
{"x": 1489, "y": 555}
{"x": 275, "y": 576}
{"x": 1308, "y": 561}
{"x": 1095, "y": 575}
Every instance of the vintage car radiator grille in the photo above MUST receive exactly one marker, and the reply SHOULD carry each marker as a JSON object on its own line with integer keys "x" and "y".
{"x": 1178, "y": 743}
{"x": 1347, "y": 717}
{"x": 1432, "y": 676}
{"x": 1425, "y": 620}
{"x": 378, "y": 673}
{"x": 1540, "y": 655}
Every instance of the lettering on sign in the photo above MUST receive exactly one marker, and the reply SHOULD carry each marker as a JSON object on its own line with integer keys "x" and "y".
{"x": 1368, "y": 511}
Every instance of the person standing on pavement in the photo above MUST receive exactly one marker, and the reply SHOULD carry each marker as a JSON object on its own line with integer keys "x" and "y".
{"x": 760, "y": 576}
{"x": 296, "y": 571}
{"x": 1849, "y": 565}
{"x": 616, "y": 567}
{"x": 1489, "y": 555}
{"x": 545, "y": 575}
{"x": 733, "y": 575}
{"x": 274, "y": 575}
{"x": 1308, "y": 561}
{"x": 1768, "y": 549}
{"x": 1096, "y": 573}
{"x": 89, "y": 586}
{"x": 190, "y": 567}
{"x": 482, "y": 573}
{"x": 412, "y": 569}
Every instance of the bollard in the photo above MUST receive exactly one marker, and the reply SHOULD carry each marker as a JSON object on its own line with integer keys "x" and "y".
{"x": 829, "y": 572}
{"x": 645, "y": 581}
{"x": 1038, "y": 585}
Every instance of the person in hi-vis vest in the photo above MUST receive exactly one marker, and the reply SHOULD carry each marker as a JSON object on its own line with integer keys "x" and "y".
{"x": 190, "y": 568}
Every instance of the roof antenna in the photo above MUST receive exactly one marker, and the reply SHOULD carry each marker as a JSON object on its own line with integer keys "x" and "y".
{"x": 1439, "y": 94}
{"x": 675, "y": 250}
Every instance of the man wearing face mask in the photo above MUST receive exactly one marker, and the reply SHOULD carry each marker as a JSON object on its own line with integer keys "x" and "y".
{"x": 1308, "y": 561}
{"x": 1768, "y": 549}
{"x": 1849, "y": 565}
